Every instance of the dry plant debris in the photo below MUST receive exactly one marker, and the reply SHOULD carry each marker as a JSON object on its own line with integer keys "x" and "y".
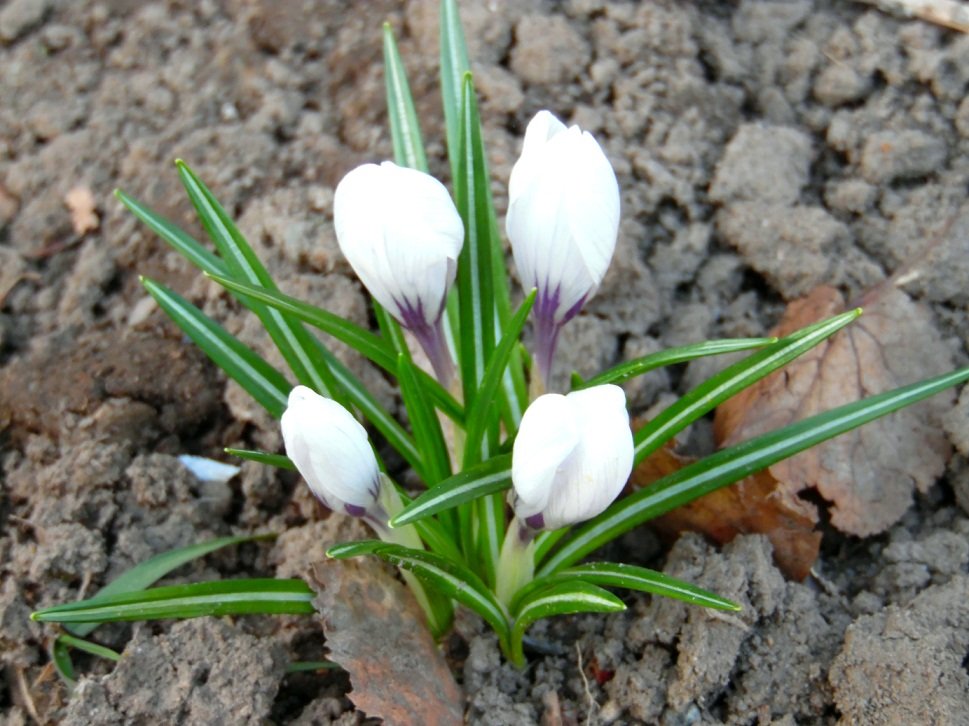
{"x": 84, "y": 216}
{"x": 375, "y": 630}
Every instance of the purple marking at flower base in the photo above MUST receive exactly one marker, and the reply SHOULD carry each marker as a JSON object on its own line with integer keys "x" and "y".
{"x": 547, "y": 327}
{"x": 431, "y": 338}
{"x": 355, "y": 510}
{"x": 536, "y": 521}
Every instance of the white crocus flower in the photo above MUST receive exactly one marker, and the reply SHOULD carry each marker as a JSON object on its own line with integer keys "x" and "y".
{"x": 331, "y": 450}
{"x": 562, "y": 222}
{"x": 572, "y": 456}
{"x": 402, "y": 235}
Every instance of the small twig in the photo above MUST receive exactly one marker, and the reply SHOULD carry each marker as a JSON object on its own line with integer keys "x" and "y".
{"x": 27, "y": 701}
{"x": 947, "y": 13}
{"x": 593, "y": 704}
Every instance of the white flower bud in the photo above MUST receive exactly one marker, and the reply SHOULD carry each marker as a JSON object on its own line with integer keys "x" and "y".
{"x": 572, "y": 456}
{"x": 331, "y": 450}
{"x": 562, "y": 222}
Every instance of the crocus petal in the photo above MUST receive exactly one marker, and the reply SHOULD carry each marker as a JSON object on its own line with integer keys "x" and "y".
{"x": 547, "y": 437}
{"x": 331, "y": 450}
{"x": 563, "y": 213}
{"x": 572, "y": 456}
{"x": 401, "y": 233}
{"x": 602, "y": 461}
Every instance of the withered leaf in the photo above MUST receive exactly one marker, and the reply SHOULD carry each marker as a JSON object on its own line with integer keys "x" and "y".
{"x": 749, "y": 506}
{"x": 869, "y": 474}
{"x": 377, "y": 632}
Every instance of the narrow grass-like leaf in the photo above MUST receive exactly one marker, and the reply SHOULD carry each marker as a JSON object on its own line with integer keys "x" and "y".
{"x": 454, "y": 64}
{"x": 730, "y": 465}
{"x": 279, "y": 461}
{"x": 545, "y": 542}
{"x": 711, "y": 393}
{"x": 260, "y": 380}
{"x": 630, "y": 577}
{"x": 221, "y": 597}
{"x": 293, "y": 341}
{"x": 474, "y": 278}
{"x": 405, "y": 129}
{"x": 484, "y": 410}
{"x": 448, "y": 576}
{"x": 60, "y": 656}
{"x": 624, "y": 371}
{"x": 155, "y": 568}
{"x": 370, "y": 346}
{"x": 423, "y": 420}
{"x": 173, "y": 235}
{"x": 489, "y": 477}
{"x": 88, "y": 647}
{"x": 564, "y": 598}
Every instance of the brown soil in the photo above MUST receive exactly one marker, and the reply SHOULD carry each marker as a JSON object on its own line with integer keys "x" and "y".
{"x": 840, "y": 128}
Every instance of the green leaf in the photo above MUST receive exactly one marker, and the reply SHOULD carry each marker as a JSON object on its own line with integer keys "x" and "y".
{"x": 730, "y": 465}
{"x": 711, "y": 393}
{"x": 630, "y": 577}
{"x": 88, "y": 647}
{"x": 638, "y": 367}
{"x": 278, "y": 460}
{"x": 155, "y": 568}
{"x": 222, "y": 597}
{"x": 179, "y": 240}
{"x": 483, "y": 412}
{"x": 454, "y": 64}
{"x": 489, "y": 477}
{"x": 60, "y": 656}
{"x": 449, "y": 577}
{"x": 423, "y": 420}
{"x": 370, "y": 346}
{"x": 474, "y": 277}
{"x": 563, "y": 598}
{"x": 294, "y": 343}
{"x": 260, "y": 380}
{"x": 405, "y": 129}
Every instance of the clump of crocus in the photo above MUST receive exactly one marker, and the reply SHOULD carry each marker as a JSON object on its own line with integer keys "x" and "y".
{"x": 570, "y": 461}
{"x": 402, "y": 235}
{"x": 562, "y": 222}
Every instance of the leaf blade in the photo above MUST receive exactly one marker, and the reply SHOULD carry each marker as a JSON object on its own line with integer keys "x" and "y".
{"x": 220, "y": 597}
{"x": 490, "y": 477}
{"x": 709, "y": 394}
{"x": 260, "y": 380}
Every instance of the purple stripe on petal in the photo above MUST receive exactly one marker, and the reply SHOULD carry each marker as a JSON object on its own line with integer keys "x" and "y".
{"x": 355, "y": 510}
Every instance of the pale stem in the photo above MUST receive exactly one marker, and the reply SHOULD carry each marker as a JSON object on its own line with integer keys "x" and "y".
{"x": 516, "y": 563}
{"x": 378, "y": 517}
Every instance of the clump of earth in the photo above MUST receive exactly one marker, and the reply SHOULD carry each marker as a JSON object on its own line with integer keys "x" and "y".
{"x": 762, "y": 149}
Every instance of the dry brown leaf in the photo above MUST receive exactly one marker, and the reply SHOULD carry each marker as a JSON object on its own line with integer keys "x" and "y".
{"x": 377, "y": 632}
{"x": 84, "y": 217}
{"x": 868, "y": 475}
{"x": 750, "y": 506}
